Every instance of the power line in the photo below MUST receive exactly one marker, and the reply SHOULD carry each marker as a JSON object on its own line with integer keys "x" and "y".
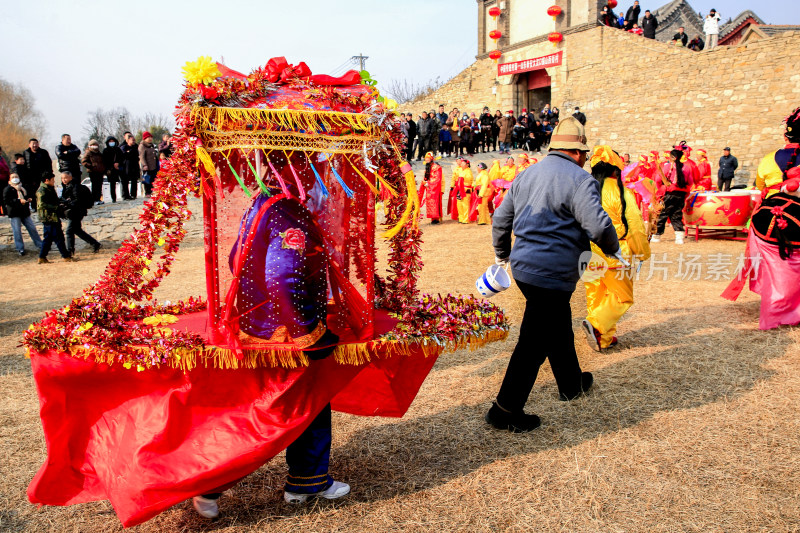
{"x": 361, "y": 60}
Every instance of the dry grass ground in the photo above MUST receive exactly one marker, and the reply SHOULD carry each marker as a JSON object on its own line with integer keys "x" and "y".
{"x": 692, "y": 425}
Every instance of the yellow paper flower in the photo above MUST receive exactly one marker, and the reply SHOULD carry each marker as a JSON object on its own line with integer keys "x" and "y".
{"x": 158, "y": 320}
{"x": 85, "y": 326}
{"x": 204, "y": 71}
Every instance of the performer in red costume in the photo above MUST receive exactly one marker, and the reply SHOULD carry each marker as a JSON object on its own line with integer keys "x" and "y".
{"x": 704, "y": 172}
{"x": 431, "y": 189}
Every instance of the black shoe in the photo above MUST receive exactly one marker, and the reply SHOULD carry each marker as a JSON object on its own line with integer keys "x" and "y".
{"x": 586, "y": 383}
{"x": 21, "y": 253}
{"x": 97, "y": 248}
{"x": 513, "y": 422}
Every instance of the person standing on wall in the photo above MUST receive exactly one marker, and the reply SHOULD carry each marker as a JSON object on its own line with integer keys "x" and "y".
{"x": 711, "y": 29}
{"x": 130, "y": 167}
{"x": 649, "y": 25}
{"x": 727, "y": 169}
{"x": 148, "y": 161}
{"x": 113, "y": 161}
{"x": 554, "y": 210}
{"x": 632, "y": 15}
{"x": 93, "y": 161}
{"x": 579, "y": 116}
{"x": 69, "y": 157}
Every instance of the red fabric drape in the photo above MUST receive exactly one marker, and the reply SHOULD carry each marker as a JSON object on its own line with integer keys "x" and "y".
{"x": 148, "y": 440}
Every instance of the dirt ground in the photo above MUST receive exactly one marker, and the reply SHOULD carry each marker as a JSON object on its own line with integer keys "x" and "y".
{"x": 692, "y": 424}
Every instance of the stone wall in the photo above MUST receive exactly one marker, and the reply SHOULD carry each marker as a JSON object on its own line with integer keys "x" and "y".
{"x": 110, "y": 224}
{"x": 641, "y": 95}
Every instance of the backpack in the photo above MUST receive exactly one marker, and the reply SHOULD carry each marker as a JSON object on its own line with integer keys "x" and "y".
{"x": 85, "y": 198}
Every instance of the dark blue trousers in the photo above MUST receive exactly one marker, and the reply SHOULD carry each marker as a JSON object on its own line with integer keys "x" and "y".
{"x": 308, "y": 458}
{"x": 52, "y": 233}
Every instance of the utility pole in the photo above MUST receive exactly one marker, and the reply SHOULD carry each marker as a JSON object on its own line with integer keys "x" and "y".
{"x": 361, "y": 60}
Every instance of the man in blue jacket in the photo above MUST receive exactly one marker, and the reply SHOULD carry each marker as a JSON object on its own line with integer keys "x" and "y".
{"x": 554, "y": 209}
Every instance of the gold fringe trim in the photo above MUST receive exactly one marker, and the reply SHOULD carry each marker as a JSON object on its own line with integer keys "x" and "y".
{"x": 345, "y": 354}
{"x": 234, "y": 118}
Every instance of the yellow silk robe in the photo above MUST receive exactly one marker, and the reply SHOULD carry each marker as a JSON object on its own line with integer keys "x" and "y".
{"x": 609, "y": 297}
{"x": 463, "y": 204}
{"x": 768, "y": 174}
{"x": 482, "y": 190}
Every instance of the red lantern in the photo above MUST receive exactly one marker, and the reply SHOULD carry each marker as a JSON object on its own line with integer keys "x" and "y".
{"x": 555, "y": 38}
{"x": 495, "y": 34}
{"x": 494, "y": 12}
{"x": 612, "y": 3}
{"x": 495, "y": 54}
{"x": 554, "y": 11}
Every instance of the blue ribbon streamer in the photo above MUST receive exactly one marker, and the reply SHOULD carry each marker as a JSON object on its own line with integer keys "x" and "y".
{"x": 325, "y": 192}
{"x": 347, "y": 190}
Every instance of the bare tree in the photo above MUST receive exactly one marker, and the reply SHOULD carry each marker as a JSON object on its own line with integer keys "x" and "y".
{"x": 406, "y": 91}
{"x": 19, "y": 118}
{"x": 115, "y": 122}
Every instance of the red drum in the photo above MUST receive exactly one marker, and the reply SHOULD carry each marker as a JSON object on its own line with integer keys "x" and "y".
{"x": 724, "y": 210}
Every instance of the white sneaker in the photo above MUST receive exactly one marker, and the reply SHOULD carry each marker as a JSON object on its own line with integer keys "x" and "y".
{"x": 679, "y": 238}
{"x": 337, "y": 490}
{"x": 206, "y": 507}
{"x": 591, "y": 337}
{"x": 656, "y": 238}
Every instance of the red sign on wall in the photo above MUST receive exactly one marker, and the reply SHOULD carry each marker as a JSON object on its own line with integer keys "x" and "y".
{"x": 527, "y": 65}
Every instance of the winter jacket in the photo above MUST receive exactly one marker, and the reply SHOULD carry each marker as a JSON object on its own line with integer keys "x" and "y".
{"x": 711, "y": 24}
{"x": 165, "y": 147}
{"x": 130, "y": 160}
{"x": 13, "y": 207}
{"x": 506, "y": 128}
{"x": 580, "y": 116}
{"x": 39, "y": 164}
{"x": 73, "y": 210}
{"x": 112, "y": 155}
{"x": 93, "y": 161}
{"x": 727, "y": 167}
{"x": 412, "y": 130}
{"x": 69, "y": 160}
{"x": 425, "y": 127}
{"x": 649, "y": 26}
{"x": 632, "y": 15}
{"x": 47, "y": 204}
{"x": 555, "y": 210}
{"x": 29, "y": 182}
{"x": 487, "y": 120}
{"x": 681, "y": 38}
{"x": 148, "y": 158}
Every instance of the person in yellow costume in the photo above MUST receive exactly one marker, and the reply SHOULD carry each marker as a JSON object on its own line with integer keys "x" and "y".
{"x": 462, "y": 187}
{"x": 481, "y": 193}
{"x": 452, "y": 203}
{"x": 611, "y": 295}
{"x": 770, "y": 173}
{"x": 502, "y": 183}
{"x": 524, "y": 162}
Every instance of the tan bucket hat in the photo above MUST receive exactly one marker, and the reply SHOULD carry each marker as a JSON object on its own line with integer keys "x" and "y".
{"x": 569, "y": 135}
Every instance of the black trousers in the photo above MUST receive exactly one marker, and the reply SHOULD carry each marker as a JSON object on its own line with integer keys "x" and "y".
{"x": 409, "y": 151}
{"x": 673, "y": 210}
{"x": 545, "y": 333}
{"x": 423, "y": 145}
{"x": 97, "y": 186}
{"x": 74, "y": 229}
{"x": 724, "y": 184}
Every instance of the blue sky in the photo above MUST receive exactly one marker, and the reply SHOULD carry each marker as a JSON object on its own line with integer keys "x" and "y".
{"x": 79, "y": 55}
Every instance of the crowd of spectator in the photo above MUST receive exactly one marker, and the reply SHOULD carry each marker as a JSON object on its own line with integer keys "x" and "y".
{"x": 460, "y": 133}
{"x": 28, "y": 186}
{"x": 647, "y": 25}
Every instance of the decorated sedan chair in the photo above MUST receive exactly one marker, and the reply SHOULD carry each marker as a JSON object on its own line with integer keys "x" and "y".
{"x": 147, "y": 404}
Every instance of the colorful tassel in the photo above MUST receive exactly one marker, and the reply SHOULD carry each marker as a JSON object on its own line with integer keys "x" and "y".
{"x": 297, "y": 180}
{"x": 321, "y": 183}
{"x": 368, "y": 182}
{"x": 347, "y": 190}
{"x": 238, "y": 178}
{"x": 282, "y": 183}
{"x": 261, "y": 183}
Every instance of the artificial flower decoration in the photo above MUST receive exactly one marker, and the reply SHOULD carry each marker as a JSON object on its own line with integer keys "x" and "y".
{"x": 203, "y": 71}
